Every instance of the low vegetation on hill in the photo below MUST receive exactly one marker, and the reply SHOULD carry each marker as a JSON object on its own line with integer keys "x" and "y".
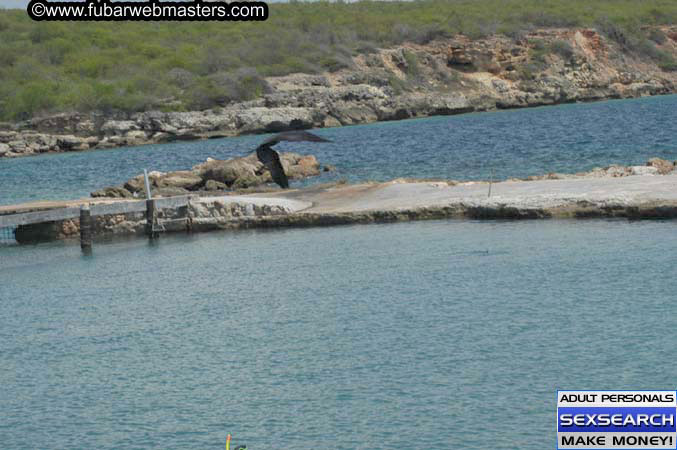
{"x": 48, "y": 67}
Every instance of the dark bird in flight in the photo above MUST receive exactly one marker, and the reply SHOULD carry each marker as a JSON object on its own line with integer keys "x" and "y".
{"x": 271, "y": 159}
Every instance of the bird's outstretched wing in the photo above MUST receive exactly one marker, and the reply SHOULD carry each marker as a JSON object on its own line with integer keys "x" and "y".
{"x": 271, "y": 160}
{"x": 294, "y": 136}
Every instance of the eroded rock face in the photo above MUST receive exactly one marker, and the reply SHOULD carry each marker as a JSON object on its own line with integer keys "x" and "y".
{"x": 450, "y": 76}
{"x": 213, "y": 175}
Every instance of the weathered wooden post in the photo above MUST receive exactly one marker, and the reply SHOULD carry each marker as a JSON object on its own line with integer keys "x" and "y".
{"x": 86, "y": 229}
{"x": 150, "y": 219}
{"x": 189, "y": 216}
{"x": 150, "y": 208}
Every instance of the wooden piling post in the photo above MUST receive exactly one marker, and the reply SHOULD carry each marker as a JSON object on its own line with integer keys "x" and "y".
{"x": 150, "y": 219}
{"x": 189, "y": 217}
{"x": 150, "y": 208}
{"x": 86, "y": 228}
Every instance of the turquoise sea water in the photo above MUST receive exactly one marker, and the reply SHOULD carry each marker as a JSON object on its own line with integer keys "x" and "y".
{"x": 565, "y": 138}
{"x": 422, "y": 335}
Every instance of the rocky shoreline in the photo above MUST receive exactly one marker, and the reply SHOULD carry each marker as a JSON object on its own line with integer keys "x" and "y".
{"x": 449, "y": 76}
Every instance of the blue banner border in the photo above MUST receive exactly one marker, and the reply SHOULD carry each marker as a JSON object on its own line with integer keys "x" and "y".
{"x": 598, "y": 390}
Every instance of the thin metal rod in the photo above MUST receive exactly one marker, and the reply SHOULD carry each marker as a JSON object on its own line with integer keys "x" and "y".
{"x": 147, "y": 182}
{"x": 491, "y": 181}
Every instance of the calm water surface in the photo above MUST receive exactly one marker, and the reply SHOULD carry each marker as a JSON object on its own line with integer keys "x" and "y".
{"x": 566, "y": 138}
{"x": 445, "y": 334}
{"x": 397, "y": 336}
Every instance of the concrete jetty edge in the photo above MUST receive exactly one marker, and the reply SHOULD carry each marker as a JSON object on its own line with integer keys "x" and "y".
{"x": 636, "y": 197}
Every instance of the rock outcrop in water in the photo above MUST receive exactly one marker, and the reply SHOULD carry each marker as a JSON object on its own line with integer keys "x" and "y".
{"x": 448, "y": 76}
{"x": 213, "y": 175}
{"x": 654, "y": 166}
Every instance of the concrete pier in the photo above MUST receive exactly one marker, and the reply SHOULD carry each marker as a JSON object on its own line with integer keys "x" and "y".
{"x": 650, "y": 195}
{"x": 634, "y": 197}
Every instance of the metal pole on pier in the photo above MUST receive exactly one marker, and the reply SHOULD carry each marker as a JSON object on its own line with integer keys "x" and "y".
{"x": 149, "y": 195}
{"x": 85, "y": 229}
{"x": 491, "y": 181}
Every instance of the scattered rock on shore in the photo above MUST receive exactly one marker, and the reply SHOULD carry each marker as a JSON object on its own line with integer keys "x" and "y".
{"x": 664, "y": 167}
{"x": 212, "y": 185}
{"x": 213, "y": 175}
{"x": 114, "y": 192}
{"x": 655, "y": 166}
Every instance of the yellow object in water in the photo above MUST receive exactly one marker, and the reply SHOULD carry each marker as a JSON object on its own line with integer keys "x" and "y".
{"x": 228, "y": 442}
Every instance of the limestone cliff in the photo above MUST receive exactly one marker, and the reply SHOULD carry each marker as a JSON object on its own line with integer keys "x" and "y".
{"x": 449, "y": 76}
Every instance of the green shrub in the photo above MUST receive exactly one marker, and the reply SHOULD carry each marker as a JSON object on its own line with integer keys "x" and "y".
{"x": 396, "y": 84}
{"x": 334, "y": 63}
{"x": 657, "y": 36}
{"x": 562, "y": 48}
{"x": 638, "y": 42}
{"x": 538, "y": 53}
{"x": 527, "y": 71}
{"x": 366, "y": 48}
{"x": 412, "y": 69}
{"x": 34, "y": 97}
{"x": 226, "y": 87}
{"x": 667, "y": 62}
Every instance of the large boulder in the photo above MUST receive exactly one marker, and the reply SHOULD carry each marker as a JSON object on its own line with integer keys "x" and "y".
{"x": 7, "y": 136}
{"x": 136, "y": 184}
{"x": 300, "y": 166}
{"x": 248, "y": 171}
{"x": 272, "y": 119}
{"x": 664, "y": 167}
{"x": 229, "y": 171}
{"x": 184, "y": 179}
{"x": 136, "y": 138}
{"x": 248, "y": 181}
{"x": 119, "y": 127}
{"x": 72, "y": 143}
{"x": 212, "y": 185}
{"x": 213, "y": 175}
{"x": 114, "y": 192}
{"x": 643, "y": 170}
{"x": 169, "y": 191}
